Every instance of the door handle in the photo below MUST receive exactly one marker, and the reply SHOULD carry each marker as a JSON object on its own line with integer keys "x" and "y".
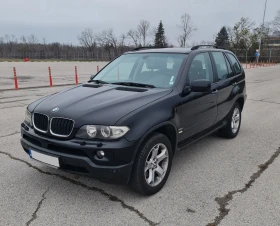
{"x": 234, "y": 84}
{"x": 215, "y": 91}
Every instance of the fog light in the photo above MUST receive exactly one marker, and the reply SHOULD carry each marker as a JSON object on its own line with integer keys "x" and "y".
{"x": 100, "y": 154}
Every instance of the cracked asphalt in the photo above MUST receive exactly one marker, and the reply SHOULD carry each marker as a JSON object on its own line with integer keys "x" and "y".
{"x": 213, "y": 182}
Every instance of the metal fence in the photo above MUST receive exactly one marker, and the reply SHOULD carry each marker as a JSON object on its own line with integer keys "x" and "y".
{"x": 67, "y": 56}
{"x": 272, "y": 55}
{"x": 269, "y": 55}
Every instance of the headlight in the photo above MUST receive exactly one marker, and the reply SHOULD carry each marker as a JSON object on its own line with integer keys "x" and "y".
{"x": 102, "y": 132}
{"x": 105, "y": 131}
{"x": 28, "y": 118}
{"x": 91, "y": 131}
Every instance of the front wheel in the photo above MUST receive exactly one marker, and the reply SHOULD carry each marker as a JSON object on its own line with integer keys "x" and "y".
{"x": 152, "y": 165}
{"x": 233, "y": 124}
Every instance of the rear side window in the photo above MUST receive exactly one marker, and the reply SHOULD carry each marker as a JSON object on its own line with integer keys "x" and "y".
{"x": 235, "y": 63}
{"x": 230, "y": 71}
{"x": 221, "y": 65}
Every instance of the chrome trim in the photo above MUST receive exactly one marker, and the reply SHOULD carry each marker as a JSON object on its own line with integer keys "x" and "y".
{"x": 58, "y": 135}
{"x": 42, "y": 131}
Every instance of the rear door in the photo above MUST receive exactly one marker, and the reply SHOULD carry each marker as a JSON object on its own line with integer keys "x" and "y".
{"x": 238, "y": 71}
{"x": 226, "y": 81}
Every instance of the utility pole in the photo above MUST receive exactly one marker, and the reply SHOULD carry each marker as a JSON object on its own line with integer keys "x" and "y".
{"x": 262, "y": 26}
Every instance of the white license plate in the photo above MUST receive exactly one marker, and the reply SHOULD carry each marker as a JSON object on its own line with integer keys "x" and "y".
{"x": 50, "y": 160}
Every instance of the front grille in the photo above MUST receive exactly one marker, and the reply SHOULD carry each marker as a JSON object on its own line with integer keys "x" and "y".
{"x": 61, "y": 127}
{"x": 41, "y": 122}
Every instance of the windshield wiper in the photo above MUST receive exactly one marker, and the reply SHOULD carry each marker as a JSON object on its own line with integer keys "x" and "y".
{"x": 134, "y": 84}
{"x": 98, "y": 81}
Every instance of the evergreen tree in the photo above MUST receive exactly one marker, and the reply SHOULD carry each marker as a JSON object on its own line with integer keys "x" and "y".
{"x": 160, "y": 40}
{"x": 222, "y": 38}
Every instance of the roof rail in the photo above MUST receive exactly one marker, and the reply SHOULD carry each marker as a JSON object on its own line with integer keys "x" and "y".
{"x": 147, "y": 47}
{"x": 214, "y": 46}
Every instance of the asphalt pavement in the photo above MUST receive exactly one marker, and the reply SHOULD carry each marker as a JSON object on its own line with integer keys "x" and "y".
{"x": 36, "y": 74}
{"x": 213, "y": 182}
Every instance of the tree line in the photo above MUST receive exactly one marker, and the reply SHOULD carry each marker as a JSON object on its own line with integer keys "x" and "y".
{"x": 245, "y": 36}
{"x": 242, "y": 38}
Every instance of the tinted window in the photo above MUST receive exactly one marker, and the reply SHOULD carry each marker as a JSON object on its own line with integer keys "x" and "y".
{"x": 235, "y": 63}
{"x": 201, "y": 68}
{"x": 221, "y": 65}
{"x": 231, "y": 73}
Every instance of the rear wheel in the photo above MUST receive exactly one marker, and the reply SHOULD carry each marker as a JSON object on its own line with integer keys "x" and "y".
{"x": 233, "y": 124}
{"x": 152, "y": 165}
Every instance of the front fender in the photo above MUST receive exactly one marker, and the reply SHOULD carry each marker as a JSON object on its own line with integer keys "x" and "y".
{"x": 150, "y": 131}
{"x": 150, "y": 116}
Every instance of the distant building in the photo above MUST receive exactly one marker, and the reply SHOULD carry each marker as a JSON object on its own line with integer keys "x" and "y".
{"x": 273, "y": 41}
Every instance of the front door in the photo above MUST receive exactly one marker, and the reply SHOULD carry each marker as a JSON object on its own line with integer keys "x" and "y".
{"x": 199, "y": 110}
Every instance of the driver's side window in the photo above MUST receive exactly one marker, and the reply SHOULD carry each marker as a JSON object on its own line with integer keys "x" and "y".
{"x": 201, "y": 68}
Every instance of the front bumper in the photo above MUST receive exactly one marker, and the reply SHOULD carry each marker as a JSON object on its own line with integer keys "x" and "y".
{"x": 79, "y": 156}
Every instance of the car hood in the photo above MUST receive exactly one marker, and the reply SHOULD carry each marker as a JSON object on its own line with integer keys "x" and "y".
{"x": 100, "y": 105}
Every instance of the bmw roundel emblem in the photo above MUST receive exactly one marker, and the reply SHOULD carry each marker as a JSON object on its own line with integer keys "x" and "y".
{"x": 55, "y": 110}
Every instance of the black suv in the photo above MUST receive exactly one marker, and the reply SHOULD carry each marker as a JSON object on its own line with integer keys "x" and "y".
{"x": 128, "y": 121}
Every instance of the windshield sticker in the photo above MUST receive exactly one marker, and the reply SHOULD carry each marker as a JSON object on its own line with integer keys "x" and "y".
{"x": 171, "y": 81}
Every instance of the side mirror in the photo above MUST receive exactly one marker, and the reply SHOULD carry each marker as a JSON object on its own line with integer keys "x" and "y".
{"x": 201, "y": 85}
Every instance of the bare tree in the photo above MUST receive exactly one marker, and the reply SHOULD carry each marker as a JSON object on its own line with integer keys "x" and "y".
{"x": 11, "y": 40}
{"x": 32, "y": 39}
{"x": 187, "y": 28}
{"x": 56, "y": 48}
{"x": 112, "y": 39}
{"x": 121, "y": 42}
{"x": 23, "y": 39}
{"x": 143, "y": 30}
{"x": 2, "y": 46}
{"x": 32, "y": 42}
{"x": 44, "y": 41}
{"x": 88, "y": 39}
{"x": 153, "y": 32}
{"x": 134, "y": 36}
{"x": 107, "y": 37}
{"x": 108, "y": 40}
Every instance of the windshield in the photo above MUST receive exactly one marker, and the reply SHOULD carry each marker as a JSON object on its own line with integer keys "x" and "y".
{"x": 156, "y": 69}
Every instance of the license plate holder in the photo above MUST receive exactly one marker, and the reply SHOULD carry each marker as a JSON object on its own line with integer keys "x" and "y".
{"x": 47, "y": 159}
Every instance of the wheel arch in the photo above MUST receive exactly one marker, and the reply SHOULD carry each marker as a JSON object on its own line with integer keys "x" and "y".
{"x": 167, "y": 128}
{"x": 241, "y": 102}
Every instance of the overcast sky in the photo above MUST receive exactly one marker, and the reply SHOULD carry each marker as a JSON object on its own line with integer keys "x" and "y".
{"x": 63, "y": 20}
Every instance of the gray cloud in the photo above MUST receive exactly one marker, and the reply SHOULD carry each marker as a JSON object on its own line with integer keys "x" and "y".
{"x": 63, "y": 20}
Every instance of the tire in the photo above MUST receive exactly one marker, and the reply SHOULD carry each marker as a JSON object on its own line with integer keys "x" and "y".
{"x": 232, "y": 128}
{"x": 145, "y": 177}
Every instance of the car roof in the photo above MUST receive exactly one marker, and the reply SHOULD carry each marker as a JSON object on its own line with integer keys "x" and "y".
{"x": 174, "y": 50}
{"x": 162, "y": 50}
